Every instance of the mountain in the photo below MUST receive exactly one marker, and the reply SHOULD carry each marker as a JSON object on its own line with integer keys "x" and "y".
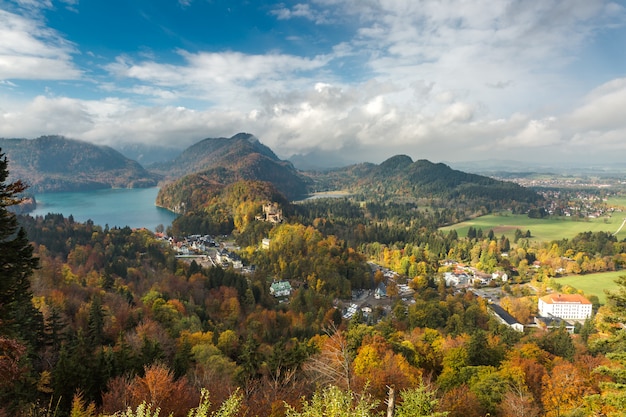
{"x": 55, "y": 163}
{"x": 401, "y": 178}
{"x": 211, "y": 153}
{"x": 217, "y": 162}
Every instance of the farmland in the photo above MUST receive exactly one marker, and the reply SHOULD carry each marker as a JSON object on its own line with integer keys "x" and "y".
{"x": 593, "y": 284}
{"x": 547, "y": 229}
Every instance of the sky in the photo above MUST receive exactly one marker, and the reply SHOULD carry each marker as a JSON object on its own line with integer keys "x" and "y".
{"x": 443, "y": 80}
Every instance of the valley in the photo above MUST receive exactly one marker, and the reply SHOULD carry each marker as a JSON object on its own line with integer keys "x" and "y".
{"x": 412, "y": 271}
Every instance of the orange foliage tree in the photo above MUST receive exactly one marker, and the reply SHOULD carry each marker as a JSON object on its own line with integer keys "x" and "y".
{"x": 563, "y": 389}
{"x": 157, "y": 388}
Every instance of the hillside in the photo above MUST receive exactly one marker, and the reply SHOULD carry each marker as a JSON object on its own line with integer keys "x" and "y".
{"x": 214, "y": 152}
{"x": 55, "y": 163}
{"x": 217, "y": 162}
{"x": 401, "y": 178}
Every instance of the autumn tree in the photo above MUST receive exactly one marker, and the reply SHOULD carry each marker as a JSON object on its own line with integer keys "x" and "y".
{"x": 332, "y": 365}
{"x": 563, "y": 389}
{"x": 518, "y": 402}
{"x": 377, "y": 366}
{"x": 420, "y": 401}
{"x": 333, "y": 401}
{"x": 229, "y": 408}
{"x": 158, "y": 388}
{"x": 461, "y": 402}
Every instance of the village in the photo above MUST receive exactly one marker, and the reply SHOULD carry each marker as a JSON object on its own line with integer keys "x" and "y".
{"x": 371, "y": 305}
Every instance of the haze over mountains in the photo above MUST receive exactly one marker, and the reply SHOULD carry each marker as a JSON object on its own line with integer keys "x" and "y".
{"x": 54, "y": 163}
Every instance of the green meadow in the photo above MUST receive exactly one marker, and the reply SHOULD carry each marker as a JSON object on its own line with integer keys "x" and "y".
{"x": 593, "y": 284}
{"x": 547, "y": 229}
{"x": 619, "y": 202}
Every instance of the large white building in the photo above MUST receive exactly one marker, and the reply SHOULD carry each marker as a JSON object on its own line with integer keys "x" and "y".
{"x": 565, "y": 306}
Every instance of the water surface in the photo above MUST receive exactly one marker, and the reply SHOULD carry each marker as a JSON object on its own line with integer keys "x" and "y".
{"x": 116, "y": 207}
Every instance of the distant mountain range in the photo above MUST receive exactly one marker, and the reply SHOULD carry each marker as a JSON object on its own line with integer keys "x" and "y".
{"x": 55, "y": 163}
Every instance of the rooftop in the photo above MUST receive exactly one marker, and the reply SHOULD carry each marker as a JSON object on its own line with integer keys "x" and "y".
{"x": 565, "y": 298}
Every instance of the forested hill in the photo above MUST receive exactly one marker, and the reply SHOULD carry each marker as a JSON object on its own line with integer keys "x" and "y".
{"x": 55, "y": 163}
{"x": 400, "y": 178}
{"x": 215, "y": 152}
{"x": 217, "y": 162}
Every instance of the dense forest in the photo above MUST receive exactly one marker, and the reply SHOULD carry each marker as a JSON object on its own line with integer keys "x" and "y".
{"x": 101, "y": 322}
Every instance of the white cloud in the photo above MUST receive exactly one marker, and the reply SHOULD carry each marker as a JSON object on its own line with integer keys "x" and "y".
{"x": 436, "y": 79}
{"x": 28, "y": 50}
{"x": 602, "y": 109}
{"x": 228, "y": 78}
{"x": 301, "y": 10}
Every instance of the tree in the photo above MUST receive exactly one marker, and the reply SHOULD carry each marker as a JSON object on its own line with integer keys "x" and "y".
{"x": 563, "y": 390}
{"x": 518, "y": 402}
{"x": 229, "y": 408}
{"x": 19, "y": 319}
{"x": 461, "y": 402}
{"x": 332, "y": 401}
{"x": 333, "y": 363}
{"x": 419, "y": 402}
{"x": 157, "y": 388}
{"x": 558, "y": 342}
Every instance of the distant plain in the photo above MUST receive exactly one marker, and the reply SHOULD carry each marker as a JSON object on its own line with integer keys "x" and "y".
{"x": 547, "y": 229}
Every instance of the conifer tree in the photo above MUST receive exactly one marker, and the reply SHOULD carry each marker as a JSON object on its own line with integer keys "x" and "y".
{"x": 18, "y": 317}
{"x": 20, "y": 321}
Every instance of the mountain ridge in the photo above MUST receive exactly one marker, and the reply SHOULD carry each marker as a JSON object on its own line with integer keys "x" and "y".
{"x": 227, "y": 160}
{"x": 56, "y": 163}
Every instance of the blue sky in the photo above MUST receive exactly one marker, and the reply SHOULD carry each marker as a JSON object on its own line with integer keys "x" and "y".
{"x": 445, "y": 80}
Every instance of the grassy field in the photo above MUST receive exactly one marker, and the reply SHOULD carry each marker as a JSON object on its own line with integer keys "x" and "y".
{"x": 541, "y": 229}
{"x": 593, "y": 284}
{"x": 618, "y": 202}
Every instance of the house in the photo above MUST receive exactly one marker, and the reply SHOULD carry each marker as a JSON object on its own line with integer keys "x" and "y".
{"x": 553, "y": 323}
{"x": 236, "y": 261}
{"x": 454, "y": 279}
{"x": 350, "y": 311}
{"x": 380, "y": 292}
{"x": 265, "y": 243}
{"x": 222, "y": 256}
{"x": 504, "y": 317}
{"x": 500, "y": 275}
{"x": 228, "y": 258}
{"x": 280, "y": 289}
{"x": 565, "y": 306}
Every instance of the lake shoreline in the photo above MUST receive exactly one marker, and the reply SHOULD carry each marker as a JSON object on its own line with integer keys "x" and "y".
{"x": 115, "y": 207}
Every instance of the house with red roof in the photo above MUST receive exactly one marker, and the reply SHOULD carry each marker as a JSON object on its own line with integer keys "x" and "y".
{"x": 565, "y": 306}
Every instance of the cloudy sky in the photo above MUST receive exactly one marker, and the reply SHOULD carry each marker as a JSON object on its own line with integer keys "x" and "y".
{"x": 444, "y": 80}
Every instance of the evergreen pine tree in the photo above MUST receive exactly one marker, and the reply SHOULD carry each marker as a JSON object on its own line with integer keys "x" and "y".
{"x": 18, "y": 317}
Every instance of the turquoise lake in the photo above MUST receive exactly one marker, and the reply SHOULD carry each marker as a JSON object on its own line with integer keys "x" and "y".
{"x": 116, "y": 207}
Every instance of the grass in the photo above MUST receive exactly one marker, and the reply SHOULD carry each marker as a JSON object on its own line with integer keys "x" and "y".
{"x": 541, "y": 229}
{"x": 619, "y": 202}
{"x": 593, "y": 284}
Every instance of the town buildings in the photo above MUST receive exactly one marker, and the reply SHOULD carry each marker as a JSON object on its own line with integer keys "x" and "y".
{"x": 565, "y": 306}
